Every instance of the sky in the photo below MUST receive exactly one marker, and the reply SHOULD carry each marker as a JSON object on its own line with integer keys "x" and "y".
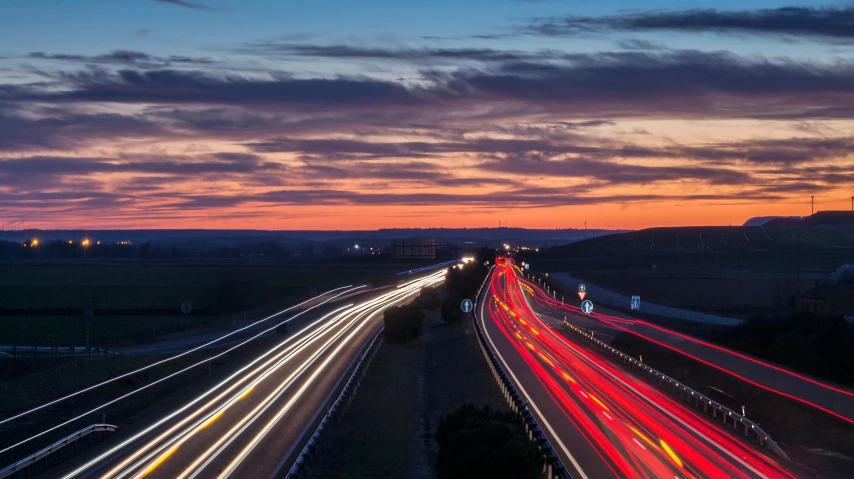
{"x": 337, "y": 114}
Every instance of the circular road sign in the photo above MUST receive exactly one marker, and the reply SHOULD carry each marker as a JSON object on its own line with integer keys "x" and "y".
{"x": 587, "y": 306}
{"x": 466, "y": 306}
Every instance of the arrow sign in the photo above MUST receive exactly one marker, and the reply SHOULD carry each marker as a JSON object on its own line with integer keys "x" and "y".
{"x": 587, "y": 307}
{"x": 466, "y": 306}
{"x": 582, "y": 294}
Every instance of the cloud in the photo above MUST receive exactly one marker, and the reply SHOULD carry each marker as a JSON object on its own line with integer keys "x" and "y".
{"x": 142, "y": 32}
{"x": 124, "y": 57}
{"x": 638, "y": 44}
{"x": 182, "y": 3}
{"x": 825, "y": 23}
{"x": 290, "y": 50}
{"x": 681, "y": 83}
{"x": 68, "y": 131}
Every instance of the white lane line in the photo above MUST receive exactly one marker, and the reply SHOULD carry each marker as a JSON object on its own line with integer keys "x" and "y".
{"x": 69, "y": 396}
{"x": 638, "y": 443}
{"x": 531, "y": 403}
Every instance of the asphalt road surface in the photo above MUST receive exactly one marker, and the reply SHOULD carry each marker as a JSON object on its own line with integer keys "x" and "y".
{"x": 254, "y": 423}
{"x": 829, "y": 398}
{"x": 603, "y": 422}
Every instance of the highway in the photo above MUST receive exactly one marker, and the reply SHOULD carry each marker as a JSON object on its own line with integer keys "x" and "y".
{"x": 602, "y": 421}
{"x": 830, "y": 399}
{"x": 253, "y": 423}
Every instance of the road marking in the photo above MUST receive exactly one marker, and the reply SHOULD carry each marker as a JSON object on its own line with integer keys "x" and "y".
{"x": 531, "y": 403}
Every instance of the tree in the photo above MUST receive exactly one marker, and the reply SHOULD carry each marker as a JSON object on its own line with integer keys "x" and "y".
{"x": 451, "y": 312}
{"x": 484, "y": 443}
{"x": 403, "y": 323}
{"x": 428, "y": 298}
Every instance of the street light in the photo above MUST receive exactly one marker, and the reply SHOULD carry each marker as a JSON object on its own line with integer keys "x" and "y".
{"x": 35, "y": 242}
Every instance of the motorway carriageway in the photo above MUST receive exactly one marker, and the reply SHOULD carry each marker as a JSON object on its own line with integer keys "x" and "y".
{"x": 602, "y": 421}
{"x": 253, "y": 423}
{"x": 833, "y": 400}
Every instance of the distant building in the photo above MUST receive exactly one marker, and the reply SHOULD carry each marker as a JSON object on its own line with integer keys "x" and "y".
{"x": 413, "y": 249}
{"x": 832, "y": 299}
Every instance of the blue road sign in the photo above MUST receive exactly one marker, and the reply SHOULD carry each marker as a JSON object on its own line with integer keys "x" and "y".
{"x": 635, "y": 302}
{"x": 587, "y": 306}
{"x": 582, "y": 288}
{"x": 527, "y": 266}
{"x": 467, "y": 306}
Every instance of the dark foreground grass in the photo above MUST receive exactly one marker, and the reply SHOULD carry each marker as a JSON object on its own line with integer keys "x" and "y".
{"x": 43, "y": 303}
{"x": 372, "y": 438}
{"x": 389, "y": 429}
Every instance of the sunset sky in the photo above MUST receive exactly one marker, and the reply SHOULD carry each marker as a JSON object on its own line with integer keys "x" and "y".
{"x": 345, "y": 114}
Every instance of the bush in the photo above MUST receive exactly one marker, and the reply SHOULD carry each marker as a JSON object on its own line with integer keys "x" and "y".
{"x": 816, "y": 345}
{"x": 428, "y": 299}
{"x": 403, "y": 323}
{"x": 484, "y": 443}
{"x": 451, "y": 312}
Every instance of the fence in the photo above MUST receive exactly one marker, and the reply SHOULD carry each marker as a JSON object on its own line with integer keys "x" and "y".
{"x": 30, "y": 351}
{"x": 304, "y": 462}
{"x": 553, "y": 468}
{"x": 695, "y": 398}
{"x": 55, "y": 452}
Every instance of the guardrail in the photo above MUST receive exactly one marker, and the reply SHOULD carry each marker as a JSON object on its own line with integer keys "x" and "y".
{"x": 553, "y": 468}
{"x": 303, "y": 462}
{"x": 91, "y": 432}
{"x": 30, "y": 351}
{"x": 695, "y": 398}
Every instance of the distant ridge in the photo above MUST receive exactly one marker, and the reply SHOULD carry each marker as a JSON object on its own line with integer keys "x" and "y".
{"x": 817, "y": 219}
{"x": 761, "y": 220}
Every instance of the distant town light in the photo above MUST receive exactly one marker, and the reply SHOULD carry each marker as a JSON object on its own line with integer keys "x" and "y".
{"x": 35, "y": 242}
{"x": 85, "y": 243}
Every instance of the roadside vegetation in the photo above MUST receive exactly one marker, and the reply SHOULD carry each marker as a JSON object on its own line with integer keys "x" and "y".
{"x": 463, "y": 284}
{"x": 816, "y": 345}
{"x": 480, "y": 442}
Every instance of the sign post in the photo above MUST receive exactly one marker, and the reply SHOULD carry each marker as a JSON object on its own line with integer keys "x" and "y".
{"x": 636, "y": 303}
{"x": 186, "y": 308}
{"x": 467, "y": 306}
{"x": 88, "y": 316}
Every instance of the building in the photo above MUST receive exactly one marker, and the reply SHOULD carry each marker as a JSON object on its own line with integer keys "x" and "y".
{"x": 413, "y": 248}
{"x": 831, "y": 299}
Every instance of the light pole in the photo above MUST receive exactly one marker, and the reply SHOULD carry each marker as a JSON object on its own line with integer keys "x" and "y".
{"x": 812, "y": 202}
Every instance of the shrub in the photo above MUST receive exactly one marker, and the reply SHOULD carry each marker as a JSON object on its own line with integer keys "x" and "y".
{"x": 403, "y": 323}
{"x": 484, "y": 443}
{"x": 428, "y": 299}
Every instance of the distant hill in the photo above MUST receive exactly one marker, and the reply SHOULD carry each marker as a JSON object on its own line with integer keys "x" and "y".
{"x": 762, "y": 220}
{"x": 820, "y": 218}
{"x": 442, "y": 235}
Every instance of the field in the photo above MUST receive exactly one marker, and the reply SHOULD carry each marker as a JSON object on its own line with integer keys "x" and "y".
{"x": 133, "y": 301}
{"x": 729, "y": 271}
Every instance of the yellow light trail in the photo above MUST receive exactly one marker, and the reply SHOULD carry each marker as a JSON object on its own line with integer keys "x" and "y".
{"x": 671, "y": 453}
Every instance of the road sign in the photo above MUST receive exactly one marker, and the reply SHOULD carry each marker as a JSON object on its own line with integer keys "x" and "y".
{"x": 527, "y": 265}
{"x": 466, "y": 306}
{"x": 636, "y": 302}
{"x": 582, "y": 288}
{"x": 587, "y": 306}
{"x": 582, "y": 294}
{"x": 186, "y": 307}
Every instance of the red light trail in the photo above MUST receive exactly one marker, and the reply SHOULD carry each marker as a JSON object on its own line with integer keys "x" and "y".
{"x": 634, "y": 429}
